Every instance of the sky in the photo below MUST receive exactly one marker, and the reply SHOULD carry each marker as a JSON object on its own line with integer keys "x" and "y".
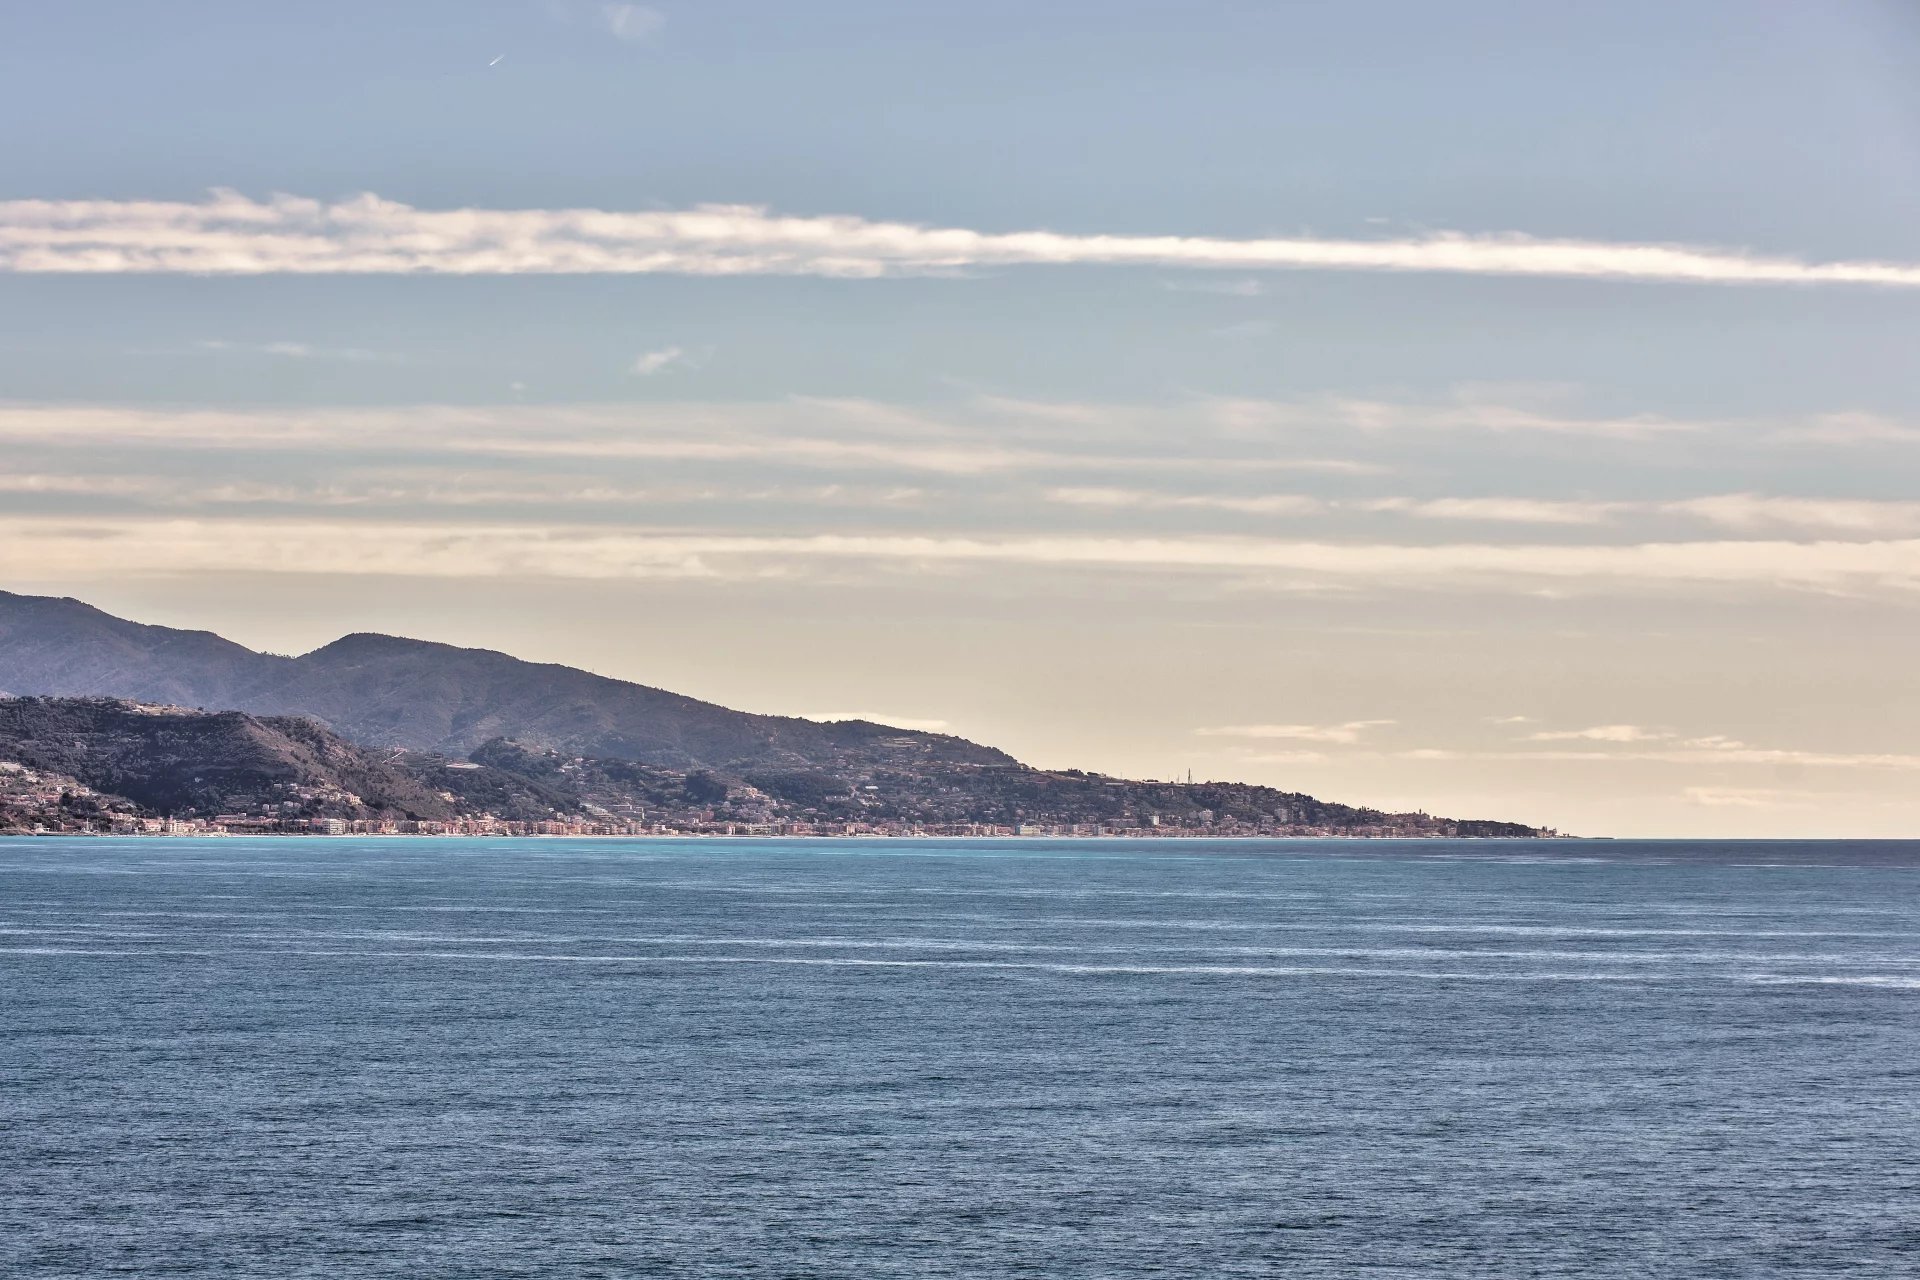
{"x": 1496, "y": 409}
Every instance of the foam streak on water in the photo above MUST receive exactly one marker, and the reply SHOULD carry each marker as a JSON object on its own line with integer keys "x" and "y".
{"x": 317, "y": 1058}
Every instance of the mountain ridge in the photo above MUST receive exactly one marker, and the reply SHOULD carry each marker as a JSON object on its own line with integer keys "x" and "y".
{"x": 385, "y": 690}
{"x": 562, "y": 741}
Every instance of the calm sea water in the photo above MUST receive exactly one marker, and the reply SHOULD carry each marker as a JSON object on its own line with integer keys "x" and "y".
{"x": 863, "y": 1059}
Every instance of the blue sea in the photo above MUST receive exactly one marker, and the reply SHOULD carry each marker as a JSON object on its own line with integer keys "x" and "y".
{"x": 576, "y": 1058}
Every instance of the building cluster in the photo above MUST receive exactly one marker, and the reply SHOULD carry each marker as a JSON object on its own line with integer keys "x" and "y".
{"x": 55, "y": 823}
{"x": 34, "y": 802}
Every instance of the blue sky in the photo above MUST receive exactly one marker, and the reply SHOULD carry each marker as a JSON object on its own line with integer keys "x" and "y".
{"x": 1330, "y": 528}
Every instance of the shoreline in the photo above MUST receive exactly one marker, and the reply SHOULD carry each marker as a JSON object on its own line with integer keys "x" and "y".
{"x": 721, "y": 835}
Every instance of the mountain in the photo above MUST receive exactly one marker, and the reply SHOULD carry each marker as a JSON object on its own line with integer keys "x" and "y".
{"x": 109, "y": 764}
{"x": 171, "y": 760}
{"x": 61, "y": 646}
{"x": 96, "y": 763}
{"x": 376, "y": 728}
{"x": 388, "y": 691}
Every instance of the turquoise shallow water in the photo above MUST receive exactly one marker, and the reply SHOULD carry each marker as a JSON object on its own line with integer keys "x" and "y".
{"x": 866, "y": 1059}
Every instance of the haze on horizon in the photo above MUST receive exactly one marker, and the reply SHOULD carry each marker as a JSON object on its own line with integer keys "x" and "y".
{"x": 1489, "y": 409}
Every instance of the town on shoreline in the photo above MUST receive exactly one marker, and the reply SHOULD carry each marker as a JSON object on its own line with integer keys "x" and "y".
{"x": 238, "y": 825}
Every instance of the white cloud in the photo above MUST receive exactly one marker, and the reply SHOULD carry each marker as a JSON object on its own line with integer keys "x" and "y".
{"x": 1486, "y": 510}
{"x": 1283, "y": 757}
{"x": 1745, "y": 797}
{"x": 878, "y": 717}
{"x": 1468, "y": 410}
{"x": 1751, "y": 512}
{"x": 80, "y": 486}
{"x": 48, "y": 548}
{"x": 634, "y": 23}
{"x": 1109, "y": 499}
{"x": 1599, "y": 733}
{"x": 1684, "y": 753}
{"x": 1716, "y": 742}
{"x": 648, "y": 363}
{"x": 297, "y": 351}
{"x": 1245, "y": 287}
{"x": 1514, "y": 510}
{"x": 831, "y": 434}
{"x": 1741, "y": 511}
{"x": 390, "y": 488}
{"x": 1852, "y": 429}
{"x": 1349, "y": 732}
{"x": 1746, "y": 512}
{"x": 230, "y": 234}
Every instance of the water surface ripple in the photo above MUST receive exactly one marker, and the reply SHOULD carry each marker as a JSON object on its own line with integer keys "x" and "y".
{"x": 333, "y": 1057}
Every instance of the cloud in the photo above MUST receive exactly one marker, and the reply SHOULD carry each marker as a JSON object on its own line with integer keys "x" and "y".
{"x": 1599, "y": 733}
{"x": 1486, "y": 510}
{"x": 1852, "y": 429}
{"x": 876, "y": 717}
{"x": 1512, "y": 510}
{"x": 1348, "y": 732}
{"x": 232, "y": 234}
{"x": 1746, "y": 798}
{"x": 48, "y": 548}
{"x": 391, "y": 488}
{"x": 648, "y": 363}
{"x": 1110, "y": 499}
{"x": 830, "y": 434}
{"x": 1465, "y": 412}
{"x": 1245, "y": 287}
{"x": 92, "y": 485}
{"x": 1283, "y": 757}
{"x": 1750, "y": 512}
{"x": 1745, "y": 512}
{"x": 634, "y": 23}
{"x": 1684, "y": 755}
{"x": 297, "y": 351}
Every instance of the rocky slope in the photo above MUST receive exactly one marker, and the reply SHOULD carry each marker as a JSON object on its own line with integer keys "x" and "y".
{"x": 376, "y": 726}
{"x": 388, "y": 691}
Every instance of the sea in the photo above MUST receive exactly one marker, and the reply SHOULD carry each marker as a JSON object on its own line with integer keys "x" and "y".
{"x": 339, "y": 1057}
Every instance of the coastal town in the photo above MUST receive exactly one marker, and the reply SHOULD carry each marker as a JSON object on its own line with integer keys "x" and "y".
{"x": 38, "y": 803}
{"x": 114, "y": 726}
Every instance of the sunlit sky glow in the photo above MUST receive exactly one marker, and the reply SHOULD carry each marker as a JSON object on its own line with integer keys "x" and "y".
{"x": 1498, "y": 409}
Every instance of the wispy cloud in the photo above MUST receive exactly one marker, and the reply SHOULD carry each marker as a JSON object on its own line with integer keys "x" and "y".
{"x": 1742, "y": 512}
{"x": 1752, "y": 512}
{"x": 822, "y": 434}
{"x": 40, "y": 549}
{"x": 1283, "y": 757}
{"x": 1505, "y": 510}
{"x": 634, "y": 23}
{"x": 1749, "y": 797}
{"x": 648, "y": 363}
{"x": 1245, "y": 287}
{"x": 1278, "y": 504}
{"x": 298, "y": 351}
{"x": 91, "y": 485}
{"x": 390, "y": 488}
{"x": 1681, "y": 754}
{"x": 1599, "y": 733}
{"x": 231, "y": 234}
{"x": 1348, "y": 732}
{"x": 1464, "y": 412}
{"x": 1486, "y": 510}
